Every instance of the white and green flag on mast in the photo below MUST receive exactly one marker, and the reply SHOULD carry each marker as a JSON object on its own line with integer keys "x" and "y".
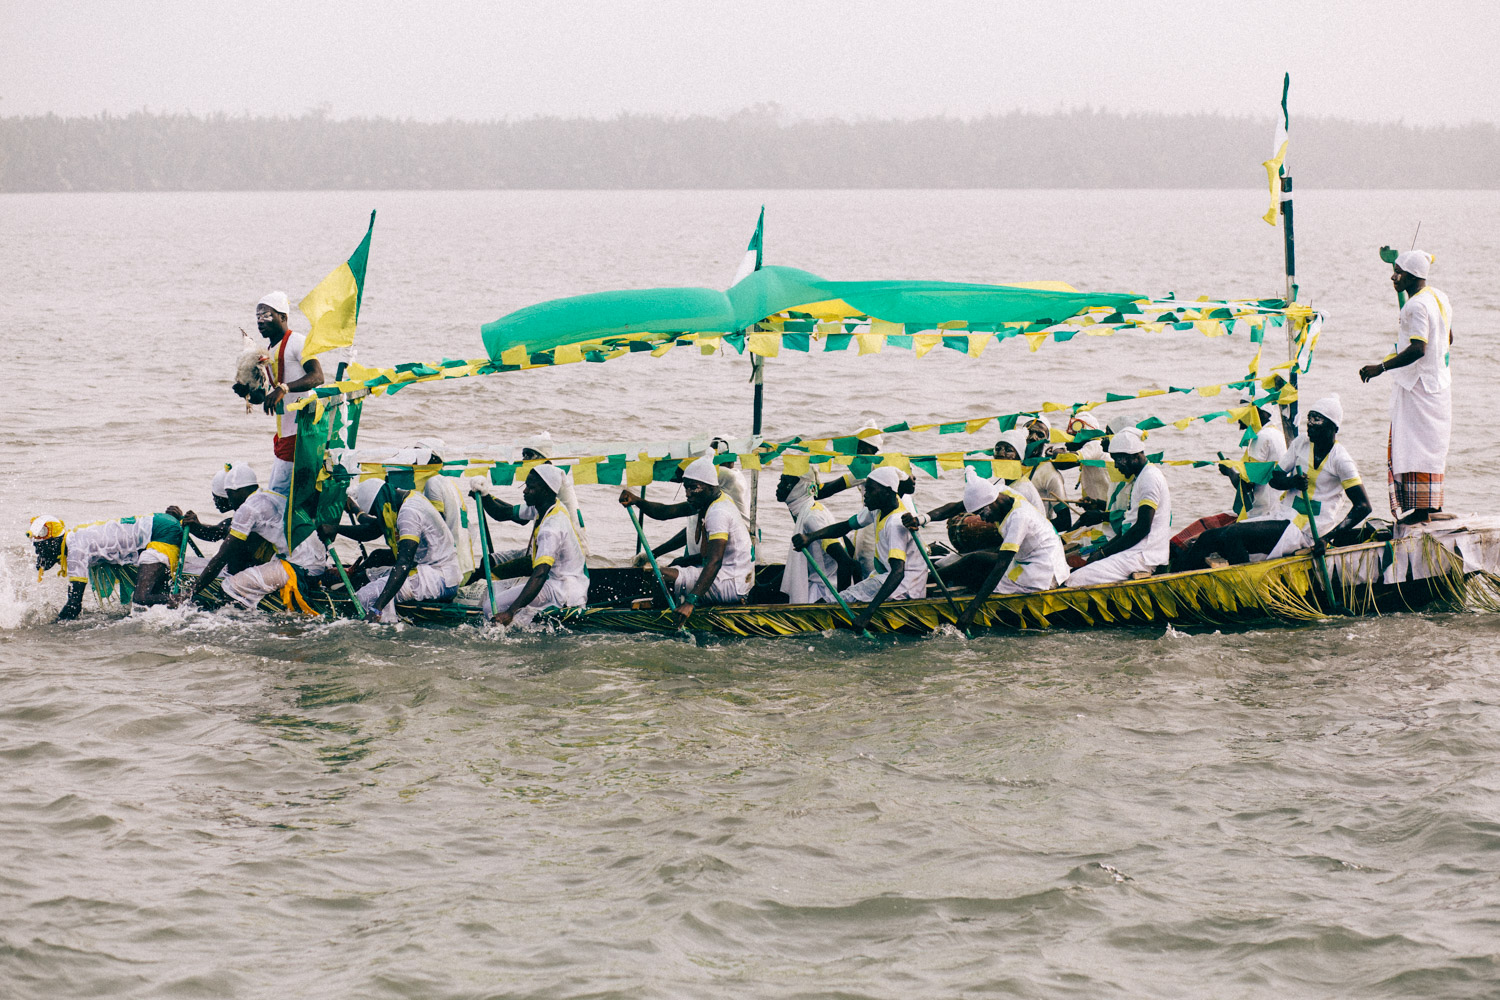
{"x": 1276, "y": 165}
{"x": 751, "y": 262}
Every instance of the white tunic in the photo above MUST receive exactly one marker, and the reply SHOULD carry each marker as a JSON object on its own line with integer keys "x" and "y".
{"x": 1268, "y": 446}
{"x": 1148, "y": 489}
{"x": 419, "y": 521}
{"x": 798, "y": 581}
{"x": 1421, "y": 393}
{"x": 1038, "y": 562}
{"x": 555, "y": 543}
{"x": 722, "y": 520}
{"x": 264, "y": 514}
{"x": 893, "y": 541}
{"x": 112, "y": 542}
{"x": 286, "y": 423}
{"x": 1325, "y": 485}
{"x": 443, "y": 493}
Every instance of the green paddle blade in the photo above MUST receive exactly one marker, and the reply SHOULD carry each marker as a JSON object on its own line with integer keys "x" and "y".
{"x": 1388, "y": 254}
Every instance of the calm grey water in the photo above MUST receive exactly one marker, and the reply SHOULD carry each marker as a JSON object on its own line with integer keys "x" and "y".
{"x": 233, "y": 806}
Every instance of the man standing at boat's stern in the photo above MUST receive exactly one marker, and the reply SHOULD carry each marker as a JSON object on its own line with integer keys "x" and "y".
{"x": 1421, "y": 392}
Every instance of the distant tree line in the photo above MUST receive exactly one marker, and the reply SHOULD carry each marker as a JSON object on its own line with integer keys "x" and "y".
{"x": 755, "y": 148}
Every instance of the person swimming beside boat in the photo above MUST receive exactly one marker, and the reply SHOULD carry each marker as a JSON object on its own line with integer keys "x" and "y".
{"x": 92, "y": 554}
{"x": 255, "y": 553}
{"x": 1030, "y": 555}
{"x": 900, "y": 571}
{"x": 557, "y": 575}
{"x": 1316, "y": 466}
{"x": 799, "y": 582}
{"x": 424, "y": 563}
{"x": 724, "y": 570}
{"x": 1144, "y": 539}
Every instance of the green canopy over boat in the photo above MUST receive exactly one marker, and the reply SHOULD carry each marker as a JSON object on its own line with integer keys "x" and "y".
{"x": 916, "y": 305}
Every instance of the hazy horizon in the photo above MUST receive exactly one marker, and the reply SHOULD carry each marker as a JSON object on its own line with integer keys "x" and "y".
{"x": 815, "y": 60}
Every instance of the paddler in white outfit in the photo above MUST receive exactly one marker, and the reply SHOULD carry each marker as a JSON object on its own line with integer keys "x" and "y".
{"x": 900, "y": 571}
{"x": 799, "y": 582}
{"x": 293, "y": 381}
{"x": 541, "y": 449}
{"x": 865, "y": 543}
{"x": 1012, "y": 448}
{"x": 725, "y": 569}
{"x": 1030, "y": 557}
{"x": 1144, "y": 542}
{"x": 1421, "y": 391}
{"x": 90, "y": 553}
{"x": 425, "y": 562}
{"x": 558, "y": 576}
{"x": 255, "y": 553}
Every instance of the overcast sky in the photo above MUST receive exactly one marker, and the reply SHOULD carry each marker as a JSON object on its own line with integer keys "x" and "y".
{"x": 1424, "y": 63}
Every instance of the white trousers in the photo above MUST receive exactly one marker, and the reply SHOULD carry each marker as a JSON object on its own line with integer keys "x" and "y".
{"x": 1110, "y": 569}
{"x": 721, "y": 591}
{"x": 548, "y": 597}
{"x": 251, "y": 584}
{"x": 424, "y": 584}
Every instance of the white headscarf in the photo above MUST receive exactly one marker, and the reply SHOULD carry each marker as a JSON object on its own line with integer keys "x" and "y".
{"x": 873, "y": 440}
{"x": 542, "y": 444}
{"x": 886, "y": 476}
{"x": 1330, "y": 407}
{"x": 1416, "y": 263}
{"x": 551, "y": 475}
{"x": 802, "y": 495}
{"x": 702, "y": 471}
{"x": 238, "y": 475}
{"x": 1016, "y": 438}
{"x": 979, "y": 492}
{"x": 1087, "y": 419}
{"x": 365, "y": 492}
{"x": 1127, "y": 442}
{"x": 277, "y": 301}
{"x": 45, "y": 526}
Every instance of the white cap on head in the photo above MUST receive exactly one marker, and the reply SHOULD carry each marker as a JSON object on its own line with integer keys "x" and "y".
{"x": 216, "y": 484}
{"x": 1039, "y": 419}
{"x": 542, "y": 444}
{"x": 238, "y": 475}
{"x": 45, "y": 526}
{"x": 365, "y": 492}
{"x": 1127, "y": 442}
{"x": 551, "y": 475}
{"x": 434, "y": 447}
{"x": 277, "y": 301}
{"x": 1416, "y": 263}
{"x": 886, "y": 476}
{"x": 979, "y": 492}
{"x": 702, "y": 470}
{"x": 1087, "y": 419}
{"x": 874, "y": 440}
{"x": 1016, "y": 438}
{"x": 1330, "y": 407}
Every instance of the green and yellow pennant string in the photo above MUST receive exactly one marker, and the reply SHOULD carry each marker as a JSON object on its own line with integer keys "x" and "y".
{"x": 799, "y": 331}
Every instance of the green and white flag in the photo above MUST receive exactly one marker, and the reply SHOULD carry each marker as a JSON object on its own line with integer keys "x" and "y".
{"x": 751, "y": 262}
{"x": 1276, "y": 165}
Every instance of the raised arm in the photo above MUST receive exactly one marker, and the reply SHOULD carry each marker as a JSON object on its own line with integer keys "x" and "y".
{"x": 656, "y": 511}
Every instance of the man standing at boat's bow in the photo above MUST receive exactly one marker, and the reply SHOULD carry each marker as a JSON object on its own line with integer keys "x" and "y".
{"x": 293, "y": 379}
{"x": 1421, "y": 391}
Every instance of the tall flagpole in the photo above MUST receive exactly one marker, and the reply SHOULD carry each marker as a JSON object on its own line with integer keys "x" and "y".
{"x": 757, "y": 379}
{"x": 1289, "y": 248}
